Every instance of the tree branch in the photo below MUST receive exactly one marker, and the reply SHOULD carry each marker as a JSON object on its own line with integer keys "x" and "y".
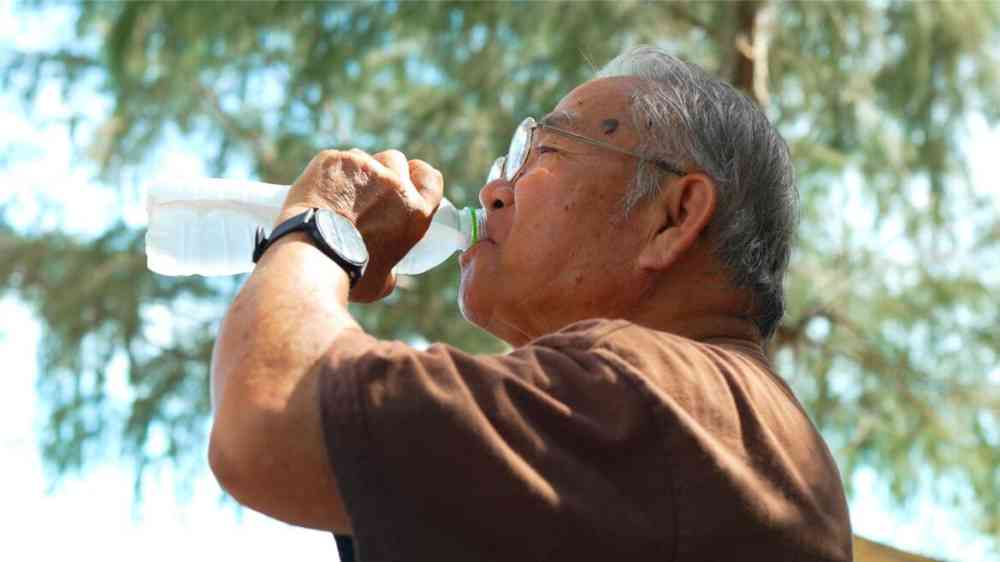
{"x": 263, "y": 151}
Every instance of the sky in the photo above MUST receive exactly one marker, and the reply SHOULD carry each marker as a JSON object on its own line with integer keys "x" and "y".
{"x": 93, "y": 515}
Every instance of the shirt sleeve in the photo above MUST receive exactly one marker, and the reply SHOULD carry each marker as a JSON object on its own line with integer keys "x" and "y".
{"x": 533, "y": 455}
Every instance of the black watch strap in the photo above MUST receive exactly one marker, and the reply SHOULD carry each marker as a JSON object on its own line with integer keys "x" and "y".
{"x": 305, "y": 222}
{"x": 262, "y": 242}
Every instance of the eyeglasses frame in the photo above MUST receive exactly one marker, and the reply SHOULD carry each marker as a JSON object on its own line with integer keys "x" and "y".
{"x": 662, "y": 164}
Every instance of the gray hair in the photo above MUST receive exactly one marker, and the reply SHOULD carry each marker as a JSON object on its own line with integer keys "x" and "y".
{"x": 687, "y": 117}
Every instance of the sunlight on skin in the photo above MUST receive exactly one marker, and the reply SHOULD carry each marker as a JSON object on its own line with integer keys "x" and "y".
{"x": 94, "y": 513}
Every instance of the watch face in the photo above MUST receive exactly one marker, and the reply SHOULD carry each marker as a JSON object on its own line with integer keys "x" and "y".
{"x": 341, "y": 235}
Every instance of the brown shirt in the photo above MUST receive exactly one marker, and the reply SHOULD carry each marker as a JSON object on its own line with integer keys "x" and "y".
{"x": 603, "y": 441}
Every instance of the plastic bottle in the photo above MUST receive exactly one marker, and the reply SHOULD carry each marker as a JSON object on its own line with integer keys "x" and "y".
{"x": 205, "y": 226}
{"x": 451, "y": 229}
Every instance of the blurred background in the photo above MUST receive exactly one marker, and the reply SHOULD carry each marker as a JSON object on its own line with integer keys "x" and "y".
{"x": 891, "y": 110}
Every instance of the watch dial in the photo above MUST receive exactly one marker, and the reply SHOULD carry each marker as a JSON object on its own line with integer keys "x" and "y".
{"x": 341, "y": 235}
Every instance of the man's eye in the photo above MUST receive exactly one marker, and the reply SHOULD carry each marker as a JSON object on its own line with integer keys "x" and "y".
{"x": 542, "y": 149}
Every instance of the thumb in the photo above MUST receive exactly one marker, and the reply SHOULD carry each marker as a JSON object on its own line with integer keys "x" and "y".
{"x": 428, "y": 181}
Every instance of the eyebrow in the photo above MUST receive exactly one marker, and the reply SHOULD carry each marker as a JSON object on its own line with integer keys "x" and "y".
{"x": 562, "y": 119}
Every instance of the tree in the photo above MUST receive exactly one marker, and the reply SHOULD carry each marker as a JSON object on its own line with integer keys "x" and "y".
{"x": 889, "y": 337}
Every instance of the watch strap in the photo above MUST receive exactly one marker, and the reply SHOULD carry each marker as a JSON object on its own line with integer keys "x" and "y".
{"x": 305, "y": 222}
{"x": 262, "y": 242}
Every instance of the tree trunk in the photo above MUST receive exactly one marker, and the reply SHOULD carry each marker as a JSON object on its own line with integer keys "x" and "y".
{"x": 754, "y": 27}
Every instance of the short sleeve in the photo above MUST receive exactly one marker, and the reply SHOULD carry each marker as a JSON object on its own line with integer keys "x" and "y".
{"x": 542, "y": 453}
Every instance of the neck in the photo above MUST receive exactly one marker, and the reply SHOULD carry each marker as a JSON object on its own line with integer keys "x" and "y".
{"x": 698, "y": 308}
{"x": 710, "y": 326}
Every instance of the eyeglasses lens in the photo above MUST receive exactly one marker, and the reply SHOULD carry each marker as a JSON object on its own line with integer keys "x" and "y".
{"x": 518, "y": 150}
{"x": 495, "y": 170}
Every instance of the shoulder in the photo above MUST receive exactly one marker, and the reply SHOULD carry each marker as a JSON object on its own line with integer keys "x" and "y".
{"x": 716, "y": 383}
{"x": 630, "y": 338}
{"x": 647, "y": 350}
{"x": 583, "y": 334}
{"x": 561, "y": 373}
{"x": 718, "y": 403}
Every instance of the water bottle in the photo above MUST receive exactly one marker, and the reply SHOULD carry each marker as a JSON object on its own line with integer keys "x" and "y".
{"x": 451, "y": 229}
{"x": 206, "y": 226}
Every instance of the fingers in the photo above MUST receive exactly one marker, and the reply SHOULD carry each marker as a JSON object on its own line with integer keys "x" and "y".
{"x": 372, "y": 289}
{"x": 395, "y": 161}
{"x": 414, "y": 174}
{"x": 428, "y": 181}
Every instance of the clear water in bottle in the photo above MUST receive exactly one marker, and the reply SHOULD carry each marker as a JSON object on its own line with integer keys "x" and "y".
{"x": 205, "y": 226}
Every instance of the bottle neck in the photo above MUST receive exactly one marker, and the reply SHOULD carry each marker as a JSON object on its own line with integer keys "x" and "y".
{"x": 472, "y": 223}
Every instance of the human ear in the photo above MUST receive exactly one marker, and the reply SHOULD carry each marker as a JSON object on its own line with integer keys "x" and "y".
{"x": 680, "y": 215}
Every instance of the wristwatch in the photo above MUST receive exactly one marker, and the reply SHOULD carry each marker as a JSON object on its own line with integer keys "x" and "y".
{"x": 331, "y": 232}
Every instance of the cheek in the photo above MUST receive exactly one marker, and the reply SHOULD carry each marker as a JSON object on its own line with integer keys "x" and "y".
{"x": 572, "y": 232}
{"x": 562, "y": 227}
{"x": 547, "y": 227}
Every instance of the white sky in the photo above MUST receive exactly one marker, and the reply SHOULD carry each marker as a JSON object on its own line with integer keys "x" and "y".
{"x": 93, "y": 516}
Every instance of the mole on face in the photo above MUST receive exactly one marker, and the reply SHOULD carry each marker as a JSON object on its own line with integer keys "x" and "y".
{"x": 609, "y": 126}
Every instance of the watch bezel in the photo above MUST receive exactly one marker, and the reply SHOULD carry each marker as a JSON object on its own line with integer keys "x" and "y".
{"x": 340, "y": 226}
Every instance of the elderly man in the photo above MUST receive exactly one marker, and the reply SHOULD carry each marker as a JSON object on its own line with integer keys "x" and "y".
{"x": 636, "y": 242}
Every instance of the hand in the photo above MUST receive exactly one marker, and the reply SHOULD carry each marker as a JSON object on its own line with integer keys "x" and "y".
{"x": 389, "y": 199}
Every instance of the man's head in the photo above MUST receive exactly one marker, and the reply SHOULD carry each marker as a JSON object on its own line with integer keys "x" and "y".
{"x": 584, "y": 230}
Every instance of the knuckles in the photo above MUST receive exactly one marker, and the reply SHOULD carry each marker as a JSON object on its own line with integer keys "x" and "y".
{"x": 358, "y": 166}
{"x": 326, "y": 156}
{"x": 394, "y": 154}
{"x": 330, "y": 156}
{"x": 425, "y": 169}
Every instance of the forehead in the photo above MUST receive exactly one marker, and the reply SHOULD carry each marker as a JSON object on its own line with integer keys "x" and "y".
{"x": 589, "y": 106}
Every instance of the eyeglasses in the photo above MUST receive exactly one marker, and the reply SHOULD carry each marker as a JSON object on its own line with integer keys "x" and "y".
{"x": 509, "y": 166}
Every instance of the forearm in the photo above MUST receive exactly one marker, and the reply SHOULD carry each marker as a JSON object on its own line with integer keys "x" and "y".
{"x": 268, "y": 446}
{"x": 264, "y": 378}
{"x": 281, "y": 322}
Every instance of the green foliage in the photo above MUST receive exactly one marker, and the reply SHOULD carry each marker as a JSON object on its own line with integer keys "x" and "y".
{"x": 889, "y": 337}
{"x": 92, "y": 298}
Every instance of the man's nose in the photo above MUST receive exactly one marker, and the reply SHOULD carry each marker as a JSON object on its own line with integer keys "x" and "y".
{"x": 496, "y": 195}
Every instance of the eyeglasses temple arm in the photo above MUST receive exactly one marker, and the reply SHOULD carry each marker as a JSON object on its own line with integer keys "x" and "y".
{"x": 661, "y": 163}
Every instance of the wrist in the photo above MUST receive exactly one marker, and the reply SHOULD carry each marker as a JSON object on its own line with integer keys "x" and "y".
{"x": 290, "y": 211}
{"x": 327, "y": 231}
{"x": 296, "y": 254}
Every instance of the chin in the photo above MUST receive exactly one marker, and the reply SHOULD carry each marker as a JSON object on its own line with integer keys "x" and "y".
{"x": 483, "y": 302}
{"x": 470, "y": 306}
{"x": 479, "y": 310}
